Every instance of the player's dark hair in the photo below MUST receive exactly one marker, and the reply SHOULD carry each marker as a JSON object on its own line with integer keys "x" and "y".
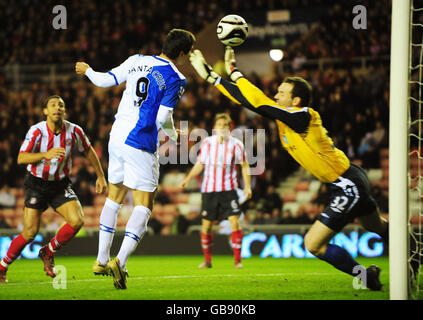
{"x": 52, "y": 97}
{"x": 301, "y": 89}
{"x": 178, "y": 40}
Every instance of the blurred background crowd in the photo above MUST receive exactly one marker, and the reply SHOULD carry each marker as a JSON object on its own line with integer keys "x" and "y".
{"x": 352, "y": 101}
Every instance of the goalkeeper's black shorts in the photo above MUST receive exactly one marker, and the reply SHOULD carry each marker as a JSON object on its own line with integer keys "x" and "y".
{"x": 349, "y": 198}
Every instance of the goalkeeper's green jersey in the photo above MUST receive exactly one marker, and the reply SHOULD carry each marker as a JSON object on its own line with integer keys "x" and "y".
{"x": 300, "y": 130}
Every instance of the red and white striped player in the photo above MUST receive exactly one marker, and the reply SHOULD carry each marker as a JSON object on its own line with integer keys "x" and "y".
{"x": 219, "y": 156}
{"x": 47, "y": 151}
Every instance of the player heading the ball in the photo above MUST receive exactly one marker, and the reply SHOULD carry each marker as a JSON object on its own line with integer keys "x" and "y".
{"x": 154, "y": 86}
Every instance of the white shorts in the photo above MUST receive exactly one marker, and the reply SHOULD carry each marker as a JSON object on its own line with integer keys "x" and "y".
{"x": 137, "y": 169}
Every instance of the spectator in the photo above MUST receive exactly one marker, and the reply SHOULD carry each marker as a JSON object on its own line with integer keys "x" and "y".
{"x": 302, "y": 217}
{"x": 154, "y": 223}
{"x": 322, "y": 197}
{"x": 259, "y": 218}
{"x": 7, "y": 198}
{"x": 49, "y": 223}
{"x": 287, "y": 217}
{"x": 3, "y": 223}
{"x": 272, "y": 200}
{"x": 180, "y": 224}
{"x": 84, "y": 192}
{"x": 381, "y": 199}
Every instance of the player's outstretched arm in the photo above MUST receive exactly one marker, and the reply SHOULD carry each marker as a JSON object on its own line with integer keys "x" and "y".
{"x": 100, "y": 79}
{"x": 254, "y": 99}
{"x": 206, "y": 72}
{"x": 231, "y": 90}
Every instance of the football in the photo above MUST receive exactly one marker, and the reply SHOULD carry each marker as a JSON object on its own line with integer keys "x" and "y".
{"x": 232, "y": 30}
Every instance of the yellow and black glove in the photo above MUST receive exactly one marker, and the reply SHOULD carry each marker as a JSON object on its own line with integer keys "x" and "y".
{"x": 203, "y": 69}
{"x": 230, "y": 65}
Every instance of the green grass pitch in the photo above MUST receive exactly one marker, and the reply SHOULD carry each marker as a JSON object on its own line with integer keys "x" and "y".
{"x": 178, "y": 278}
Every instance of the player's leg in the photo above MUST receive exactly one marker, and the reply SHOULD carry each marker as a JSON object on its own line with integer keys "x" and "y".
{"x": 317, "y": 243}
{"x": 72, "y": 212}
{"x": 236, "y": 239}
{"x": 348, "y": 201}
{"x": 108, "y": 221}
{"x": 232, "y": 210}
{"x": 206, "y": 242}
{"x": 377, "y": 224}
{"x": 136, "y": 226}
{"x": 31, "y": 225}
{"x": 112, "y": 205}
{"x": 374, "y": 222}
{"x": 141, "y": 175}
{"x": 209, "y": 212}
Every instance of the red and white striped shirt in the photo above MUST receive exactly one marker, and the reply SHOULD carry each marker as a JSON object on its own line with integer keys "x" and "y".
{"x": 220, "y": 161}
{"x": 41, "y": 139}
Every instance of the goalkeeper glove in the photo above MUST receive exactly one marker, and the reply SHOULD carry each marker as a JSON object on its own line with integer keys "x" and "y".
{"x": 230, "y": 65}
{"x": 203, "y": 69}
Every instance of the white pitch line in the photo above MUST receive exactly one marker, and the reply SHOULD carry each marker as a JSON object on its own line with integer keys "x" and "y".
{"x": 5, "y": 285}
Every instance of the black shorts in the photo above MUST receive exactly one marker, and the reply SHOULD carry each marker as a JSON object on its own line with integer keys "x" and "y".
{"x": 40, "y": 194}
{"x": 217, "y": 205}
{"x": 349, "y": 198}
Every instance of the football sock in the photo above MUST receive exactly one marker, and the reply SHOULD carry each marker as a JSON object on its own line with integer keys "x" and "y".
{"x": 135, "y": 230}
{"x": 108, "y": 220}
{"x": 63, "y": 236}
{"x": 15, "y": 249}
{"x": 206, "y": 245}
{"x": 340, "y": 259}
{"x": 236, "y": 244}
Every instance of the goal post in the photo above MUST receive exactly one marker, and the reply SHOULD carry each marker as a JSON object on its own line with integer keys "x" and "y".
{"x": 399, "y": 150}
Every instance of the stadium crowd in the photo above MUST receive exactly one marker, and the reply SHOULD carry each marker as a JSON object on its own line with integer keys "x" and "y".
{"x": 353, "y": 103}
{"x": 97, "y": 30}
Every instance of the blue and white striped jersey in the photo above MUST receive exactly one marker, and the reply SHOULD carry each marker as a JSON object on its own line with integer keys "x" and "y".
{"x": 151, "y": 82}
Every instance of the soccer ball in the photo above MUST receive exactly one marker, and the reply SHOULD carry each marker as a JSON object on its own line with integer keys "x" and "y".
{"x": 232, "y": 30}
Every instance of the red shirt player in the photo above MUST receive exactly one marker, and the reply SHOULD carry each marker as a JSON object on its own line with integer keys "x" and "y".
{"x": 47, "y": 151}
{"x": 219, "y": 156}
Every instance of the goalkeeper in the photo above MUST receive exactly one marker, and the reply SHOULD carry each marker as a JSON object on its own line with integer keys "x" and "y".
{"x": 302, "y": 134}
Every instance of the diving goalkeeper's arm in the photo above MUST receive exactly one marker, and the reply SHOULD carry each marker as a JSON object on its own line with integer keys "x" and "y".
{"x": 242, "y": 91}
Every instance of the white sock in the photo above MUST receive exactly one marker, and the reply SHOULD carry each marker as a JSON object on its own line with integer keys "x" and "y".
{"x": 108, "y": 220}
{"x": 135, "y": 230}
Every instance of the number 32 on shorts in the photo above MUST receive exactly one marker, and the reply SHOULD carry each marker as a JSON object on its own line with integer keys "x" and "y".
{"x": 338, "y": 204}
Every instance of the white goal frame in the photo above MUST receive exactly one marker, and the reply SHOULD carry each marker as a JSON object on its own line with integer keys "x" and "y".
{"x": 399, "y": 150}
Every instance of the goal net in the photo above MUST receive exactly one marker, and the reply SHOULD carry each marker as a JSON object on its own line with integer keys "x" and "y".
{"x": 415, "y": 168}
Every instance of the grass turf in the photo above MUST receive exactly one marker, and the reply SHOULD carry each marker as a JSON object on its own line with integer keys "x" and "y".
{"x": 178, "y": 278}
